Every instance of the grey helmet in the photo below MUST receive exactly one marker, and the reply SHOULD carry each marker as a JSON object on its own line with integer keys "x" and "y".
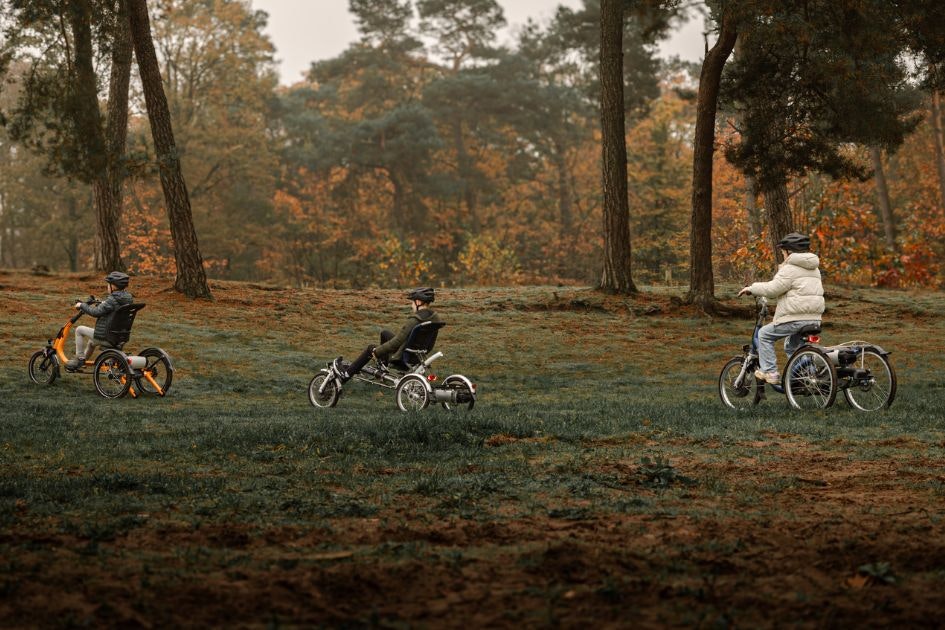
{"x": 118, "y": 279}
{"x": 424, "y": 294}
{"x": 795, "y": 242}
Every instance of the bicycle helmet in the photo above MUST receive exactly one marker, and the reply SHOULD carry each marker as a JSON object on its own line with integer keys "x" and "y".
{"x": 118, "y": 279}
{"x": 795, "y": 242}
{"x": 424, "y": 294}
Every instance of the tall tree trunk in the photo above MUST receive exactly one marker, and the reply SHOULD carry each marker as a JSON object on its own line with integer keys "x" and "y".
{"x": 191, "y": 276}
{"x": 701, "y": 277}
{"x": 751, "y": 205}
{"x": 778, "y": 215}
{"x": 466, "y": 176}
{"x": 616, "y": 276}
{"x": 882, "y": 198}
{"x": 107, "y": 187}
{"x": 937, "y": 124}
{"x": 565, "y": 200}
{"x": 84, "y": 90}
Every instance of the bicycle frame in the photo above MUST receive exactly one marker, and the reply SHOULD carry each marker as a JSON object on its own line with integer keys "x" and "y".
{"x": 57, "y": 346}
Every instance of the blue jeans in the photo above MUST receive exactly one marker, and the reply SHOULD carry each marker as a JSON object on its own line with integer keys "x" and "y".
{"x": 770, "y": 333}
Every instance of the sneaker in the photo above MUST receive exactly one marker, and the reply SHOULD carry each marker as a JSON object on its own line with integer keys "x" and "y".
{"x": 340, "y": 369}
{"x": 75, "y": 363}
{"x": 771, "y": 378}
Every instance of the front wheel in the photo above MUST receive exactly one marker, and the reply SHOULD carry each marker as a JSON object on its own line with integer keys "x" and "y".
{"x": 44, "y": 367}
{"x": 160, "y": 371}
{"x": 323, "y": 390}
{"x": 873, "y": 385}
{"x": 810, "y": 379}
{"x": 737, "y": 389}
{"x": 412, "y": 393}
{"x": 465, "y": 392}
{"x": 112, "y": 375}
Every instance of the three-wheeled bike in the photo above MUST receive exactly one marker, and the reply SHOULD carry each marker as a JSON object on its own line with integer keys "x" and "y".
{"x": 114, "y": 372}
{"x": 814, "y": 373}
{"x": 414, "y": 388}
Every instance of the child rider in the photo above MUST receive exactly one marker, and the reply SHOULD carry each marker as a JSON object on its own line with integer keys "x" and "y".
{"x": 800, "y": 296}
{"x": 86, "y": 337}
{"x": 392, "y": 346}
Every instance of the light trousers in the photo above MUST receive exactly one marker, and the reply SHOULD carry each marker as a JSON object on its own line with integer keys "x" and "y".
{"x": 770, "y": 333}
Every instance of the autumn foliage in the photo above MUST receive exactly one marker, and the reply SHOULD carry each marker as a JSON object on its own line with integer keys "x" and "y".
{"x": 438, "y": 175}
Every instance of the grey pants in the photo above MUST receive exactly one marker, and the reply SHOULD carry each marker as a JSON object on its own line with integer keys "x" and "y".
{"x": 770, "y": 333}
{"x": 84, "y": 343}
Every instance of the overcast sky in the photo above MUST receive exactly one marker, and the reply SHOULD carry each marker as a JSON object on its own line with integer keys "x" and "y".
{"x": 307, "y": 30}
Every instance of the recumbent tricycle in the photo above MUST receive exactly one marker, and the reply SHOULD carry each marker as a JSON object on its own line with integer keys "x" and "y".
{"x": 814, "y": 373}
{"x": 414, "y": 388}
{"x": 114, "y": 373}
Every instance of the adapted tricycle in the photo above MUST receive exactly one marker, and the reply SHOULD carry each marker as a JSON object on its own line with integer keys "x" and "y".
{"x": 414, "y": 388}
{"x": 814, "y": 373}
{"x": 114, "y": 373}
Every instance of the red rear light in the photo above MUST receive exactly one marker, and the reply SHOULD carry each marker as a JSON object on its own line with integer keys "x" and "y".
{"x": 431, "y": 377}
{"x": 813, "y": 338}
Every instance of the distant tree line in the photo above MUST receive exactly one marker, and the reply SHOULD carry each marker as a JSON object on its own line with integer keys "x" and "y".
{"x": 429, "y": 151}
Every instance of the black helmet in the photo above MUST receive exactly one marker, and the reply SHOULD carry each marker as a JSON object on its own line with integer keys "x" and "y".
{"x": 795, "y": 242}
{"x": 118, "y": 279}
{"x": 424, "y": 294}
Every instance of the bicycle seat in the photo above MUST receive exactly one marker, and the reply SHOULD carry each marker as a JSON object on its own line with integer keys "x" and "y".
{"x": 809, "y": 329}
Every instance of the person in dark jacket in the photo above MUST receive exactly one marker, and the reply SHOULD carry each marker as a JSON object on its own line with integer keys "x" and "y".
{"x": 86, "y": 337}
{"x": 392, "y": 346}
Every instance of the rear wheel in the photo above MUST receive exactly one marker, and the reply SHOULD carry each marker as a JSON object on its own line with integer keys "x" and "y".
{"x": 412, "y": 393}
{"x": 810, "y": 379}
{"x": 743, "y": 394}
{"x": 112, "y": 375}
{"x": 465, "y": 392}
{"x": 873, "y": 385}
{"x": 160, "y": 370}
{"x": 323, "y": 390}
{"x": 44, "y": 367}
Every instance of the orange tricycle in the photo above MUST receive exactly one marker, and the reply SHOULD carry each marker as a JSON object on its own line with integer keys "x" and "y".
{"x": 114, "y": 373}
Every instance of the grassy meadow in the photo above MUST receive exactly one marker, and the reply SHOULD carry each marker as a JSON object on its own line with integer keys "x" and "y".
{"x": 598, "y": 481}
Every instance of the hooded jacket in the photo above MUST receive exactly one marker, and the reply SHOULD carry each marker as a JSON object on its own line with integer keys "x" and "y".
{"x": 797, "y": 288}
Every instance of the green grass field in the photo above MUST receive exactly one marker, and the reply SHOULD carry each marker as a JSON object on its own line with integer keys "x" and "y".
{"x": 599, "y": 480}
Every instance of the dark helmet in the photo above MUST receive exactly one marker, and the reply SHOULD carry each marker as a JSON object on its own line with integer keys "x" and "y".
{"x": 795, "y": 242}
{"x": 424, "y": 294}
{"x": 118, "y": 279}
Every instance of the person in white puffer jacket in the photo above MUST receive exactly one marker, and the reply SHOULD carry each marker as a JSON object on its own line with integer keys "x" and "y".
{"x": 800, "y": 296}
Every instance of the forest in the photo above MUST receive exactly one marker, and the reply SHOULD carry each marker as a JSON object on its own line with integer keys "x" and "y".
{"x": 430, "y": 152}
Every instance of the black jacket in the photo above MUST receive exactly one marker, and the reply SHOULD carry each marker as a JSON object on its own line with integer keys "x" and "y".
{"x": 105, "y": 310}
{"x": 393, "y": 349}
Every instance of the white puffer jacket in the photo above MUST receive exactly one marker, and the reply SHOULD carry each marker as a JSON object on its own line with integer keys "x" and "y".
{"x": 797, "y": 288}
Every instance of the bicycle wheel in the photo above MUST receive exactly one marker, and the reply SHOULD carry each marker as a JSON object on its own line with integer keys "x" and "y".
{"x": 323, "y": 390}
{"x": 112, "y": 375}
{"x": 744, "y": 395}
{"x": 44, "y": 368}
{"x": 873, "y": 387}
{"x": 465, "y": 392}
{"x": 810, "y": 379}
{"x": 412, "y": 393}
{"x": 160, "y": 370}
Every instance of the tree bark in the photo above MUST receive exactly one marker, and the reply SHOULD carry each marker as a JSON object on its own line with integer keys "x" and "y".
{"x": 84, "y": 91}
{"x": 778, "y": 215}
{"x": 882, "y": 198}
{"x": 751, "y": 205}
{"x": 107, "y": 187}
{"x": 191, "y": 276}
{"x": 616, "y": 276}
{"x": 701, "y": 277}
{"x": 937, "y": 125}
